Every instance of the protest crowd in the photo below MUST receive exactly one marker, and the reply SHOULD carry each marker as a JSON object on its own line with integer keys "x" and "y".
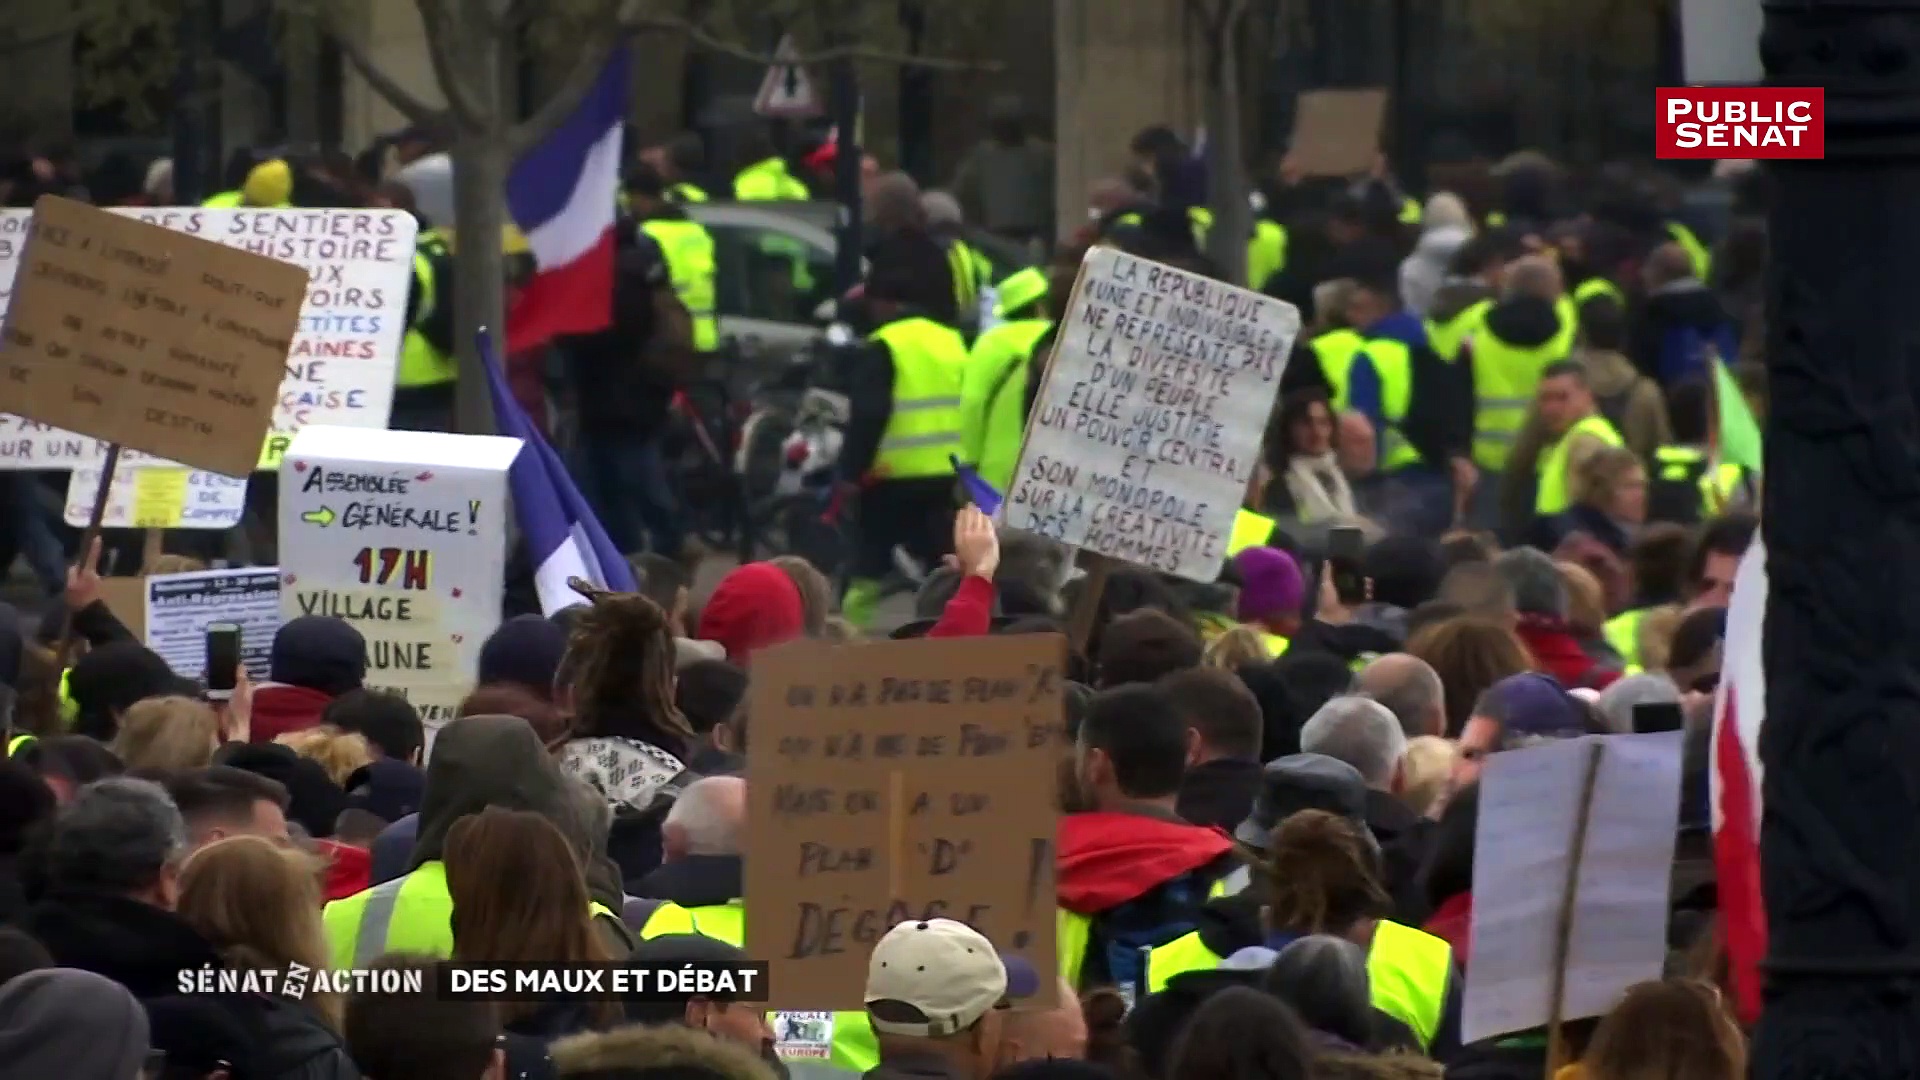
{"x": 1496, "y": 506}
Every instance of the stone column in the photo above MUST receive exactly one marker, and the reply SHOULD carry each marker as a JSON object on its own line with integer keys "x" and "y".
{"x": 1120, "y": 65}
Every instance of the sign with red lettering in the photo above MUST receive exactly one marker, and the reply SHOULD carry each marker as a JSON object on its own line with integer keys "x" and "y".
{"x": 139, "y": 335}
{"x": 897, "y": 780}
{"x": 340, "y": 367}
{"x": 1146, "y": 433}
{"x": 1708, "y": 123}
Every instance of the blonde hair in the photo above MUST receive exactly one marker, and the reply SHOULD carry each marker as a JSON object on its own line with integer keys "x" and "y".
{"x": 1586, "y": 600}
{"x": 1235, "y": 648}
{"x": 1425, "y": 770}
{"x": 835, "y": 628}
{"x": 259, "y": 905}
{"x": 177, "y": 564}
{"x": 171, "y": 733}
{"x": 339, "y": 752}
{"x": 1656, "y": 635}
{"x": 1603, "y": 471}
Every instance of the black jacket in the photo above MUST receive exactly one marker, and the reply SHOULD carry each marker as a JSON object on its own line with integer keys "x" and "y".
{"x": 613, "y": 387}
{"x": 696, "y": 881}
{"x": 1680, "y": 305}
{"x": 1404, "y": 839}
{"x": 297, "y": 1044}
{"x": 139, "y": 946}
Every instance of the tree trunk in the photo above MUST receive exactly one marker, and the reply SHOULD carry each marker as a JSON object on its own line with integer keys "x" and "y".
{"x": 1226, "y": 169}
{"x": 1841, "y": 748}
{"x": 479, "y": 270}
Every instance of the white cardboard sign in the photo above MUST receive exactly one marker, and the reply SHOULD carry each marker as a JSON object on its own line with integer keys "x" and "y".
{"x": 158, "y": 497}
{"x": 1147, "y": 429}
{"x": 404, "y": 535}
{"x": 180, "y": 607}
{"x": 340, "y": 370}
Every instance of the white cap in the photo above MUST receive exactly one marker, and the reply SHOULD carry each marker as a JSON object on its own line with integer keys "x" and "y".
{"x": 945, "y": 971}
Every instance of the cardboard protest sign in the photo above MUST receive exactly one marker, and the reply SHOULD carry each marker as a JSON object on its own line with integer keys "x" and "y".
{"x": 346, "y": 344}
{"x": 1147, "y": 430}
{"x": 404, "y": 535}
{"x": 158, "y": 497}
{"x": 1337, "y": 132}
{"x": 147, "y": 337}
{"x": 899, "y": 780}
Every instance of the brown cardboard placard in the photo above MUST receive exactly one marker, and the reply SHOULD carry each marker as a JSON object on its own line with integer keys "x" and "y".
{"x": 126, "y": 597}
{"x": 1337, "y": 132}
{"x": 900, "y": 780}
{"x": 148, "y": 337}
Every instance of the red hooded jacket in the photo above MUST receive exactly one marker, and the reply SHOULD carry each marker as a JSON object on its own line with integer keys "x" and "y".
{"x": 1558, "y": 653}
{"x": 279, "y": 709}
{"x": 349, "y": 868}
{"x": 1107, "y": 859}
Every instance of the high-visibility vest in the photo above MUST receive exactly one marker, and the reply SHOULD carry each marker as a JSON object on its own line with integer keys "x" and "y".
{"x": 1249, "y": 530}
{"x": 1623, "y": 633}
{"x": 421, "y": 362}
{"x": 1553, "y": 497}
{"x": 1447, "y": 335}
{"x": 1597, "y": 286}
{"x": 1697, "y": 253}
{"x": 412, "y": 914}
{"x": 1018, "y": 290}
{"x": 688, "y": 247}
{"x": 18, "y": 743}
{"x": 684, "y": 192}
{"x": 1411, "y": 212}
{"x": 224, "y": 200}
{"x": 1407, "y": 973}
{"x": 1277, "y": 646}
{"x": 1334, "y": 349}
{"x": 970, "y": 272}
{"x": 855, "y": 1048}
{"x": 1393, "y": 363}
{"x": 1266, "y": 249}
{"x": 1504, "y": 379}
{"x": 767, "y": 181}
{"x": 1071, "y": 933}
{"x": 924, "y": 428}
{"x": 993, "y": 398}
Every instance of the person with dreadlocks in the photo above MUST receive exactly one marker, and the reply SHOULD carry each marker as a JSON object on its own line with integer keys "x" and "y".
{"x": 1320, "y": 875}
{"x": 628, "y": 739}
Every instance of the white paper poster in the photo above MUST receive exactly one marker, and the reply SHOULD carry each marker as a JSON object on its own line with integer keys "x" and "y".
{"x": 403, "y": 534}
{"x": 158, "y": 497}
{"x": 1147, "y": 431}
{"x": 179, "y": 607}
{"x": 341, "y": 368}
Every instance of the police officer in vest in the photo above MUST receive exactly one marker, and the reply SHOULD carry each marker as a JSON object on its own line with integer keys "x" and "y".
{"x": 478, "y": 761}
{"x": 1310, "y": 802}
{"x": 1416, "y": 403}
{"x": 1576, "y": 430}
{"x": 904, "y": 426}
{"x": 425, "y": 380}
{"x": 685, "y": 243}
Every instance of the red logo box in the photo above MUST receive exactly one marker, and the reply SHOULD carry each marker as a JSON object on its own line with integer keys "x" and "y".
{"x": 1708, "y": 123}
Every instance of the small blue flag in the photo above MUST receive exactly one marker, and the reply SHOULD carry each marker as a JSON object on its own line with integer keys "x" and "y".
{"x": 978, "y": 490}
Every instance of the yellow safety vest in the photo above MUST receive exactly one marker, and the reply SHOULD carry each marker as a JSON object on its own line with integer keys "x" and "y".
{"x": 993, "y": 398}
{"x": 767, "y": 181}
{"x": 1597, "y": 286}
{"x": 421, "y": 363}
{"x": 970, "y": 271}
{"x": 1447, "y": 336}
{"x": 684, "y": 192}
{"x": 1504, "y": 379}
{"x": 924, "y": 428}
{"x": 1623, "y": 633}
{"x": 1553, "y": 496}
{"x": 1407, "y": 973}
{"x": 1019, "y": 290}
{"x": 1411, "y": 212}
{"x": 1277, "y": 646}
{"x": 412, "y": 914}
{"x": 1393, "y": 363}
{"x": 1334, "y": 349}
{"x": 1266, "y": 250}
{"x": 1249, "y": 530}
{"x": 688, "y": 247}
{"x": 1697, "y": 253}
{"x": 1071, "y": 933}
{"x": 224, "y": 200}
{"x": 855, "y": 1047}
{"x": 18, "y": 743}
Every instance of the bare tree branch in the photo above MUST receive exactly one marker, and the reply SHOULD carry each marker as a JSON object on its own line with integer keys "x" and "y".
{"x": 601, "y": 35}
{"x": 409, "y": 104}
{"x": 699, "y": 35}
{"x": 442, "y": 32}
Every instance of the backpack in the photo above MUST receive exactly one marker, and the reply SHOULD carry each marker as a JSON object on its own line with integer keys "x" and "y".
{"x": 1122, "y": 936}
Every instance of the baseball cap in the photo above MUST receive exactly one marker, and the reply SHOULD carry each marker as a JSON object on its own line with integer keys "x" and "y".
{"x": 938, "y": 977}
{"x": 1299, "y": 782}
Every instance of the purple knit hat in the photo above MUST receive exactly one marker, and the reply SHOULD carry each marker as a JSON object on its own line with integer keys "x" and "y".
{"x": 1270, "y": 584}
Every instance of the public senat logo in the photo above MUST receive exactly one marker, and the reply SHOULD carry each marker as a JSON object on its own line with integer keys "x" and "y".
{"x": 1696, "y": 123}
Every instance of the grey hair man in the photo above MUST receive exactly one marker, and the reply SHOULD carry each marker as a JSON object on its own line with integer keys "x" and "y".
{"x": 1362, "y": 733}
{"x": 1535, "y": 581}
{"x": 709, "y": 819}
{"x": 1618, "y": 701}
{"x": 119, "y": 837}
{"x": 1410, "y": 689}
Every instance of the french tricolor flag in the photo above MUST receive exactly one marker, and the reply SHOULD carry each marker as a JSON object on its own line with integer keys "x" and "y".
{"x": 562, "y": 193}
{"x": 1739, "y": 711}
